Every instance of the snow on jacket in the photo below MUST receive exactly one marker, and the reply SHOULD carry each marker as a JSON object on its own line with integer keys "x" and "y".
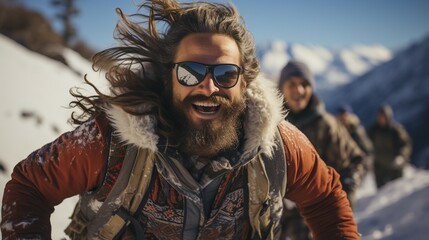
{"x": 75, "y": 163}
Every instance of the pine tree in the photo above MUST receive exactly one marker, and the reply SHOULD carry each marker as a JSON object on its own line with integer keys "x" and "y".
{"x": 66, "y": 11}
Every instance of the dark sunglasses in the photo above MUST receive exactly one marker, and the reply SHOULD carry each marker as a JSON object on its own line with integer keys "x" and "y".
{"x": 193, "y": 73}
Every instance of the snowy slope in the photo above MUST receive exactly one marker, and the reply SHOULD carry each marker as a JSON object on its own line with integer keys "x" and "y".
{"x": 399, "y": 211}
{"x": 35, "y": 84}
{"x": 36, "y": 87}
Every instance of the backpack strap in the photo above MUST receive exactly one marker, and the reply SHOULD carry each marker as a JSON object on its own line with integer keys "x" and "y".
{"x": 122, "y": 201}
{"x": 266, "y": 191}
{"x": 83, "y": 213}
{"x": 129, "y": 198}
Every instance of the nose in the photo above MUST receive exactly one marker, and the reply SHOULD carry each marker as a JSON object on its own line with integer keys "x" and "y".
{"x": 208, "y": 86}
{"x": 299, "y": 88}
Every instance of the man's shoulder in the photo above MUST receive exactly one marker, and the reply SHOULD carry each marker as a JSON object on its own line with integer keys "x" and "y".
{"x": 286, "y": 126}
{"x": 98, "y": 120}
{"x": 400, "y": 130}
{"x": 291, "y": 135}
{"x": 94, "y": 129}
{"x": 398, "y": 126}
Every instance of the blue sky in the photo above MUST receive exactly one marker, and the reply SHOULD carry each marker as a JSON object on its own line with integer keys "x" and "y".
{"x": 329, "y": 23}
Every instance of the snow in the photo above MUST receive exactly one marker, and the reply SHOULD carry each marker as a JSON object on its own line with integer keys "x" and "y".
{"x": 39, "y": 86}
{"x": 335, "y": 77}
{"x": 332, "y": 68}
{"x": 397, "y": 211}
{"x": 317, "y": 58}
{"x": 353, "y": 62}
{"x": 275, "y": 58}
{"x": 359, "y": 58}
{"x": 375, "y": 53}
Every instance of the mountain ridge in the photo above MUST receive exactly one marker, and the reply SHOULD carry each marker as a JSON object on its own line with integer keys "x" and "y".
{"x": 401, "y": 82}
{"x": 331, "y": 68}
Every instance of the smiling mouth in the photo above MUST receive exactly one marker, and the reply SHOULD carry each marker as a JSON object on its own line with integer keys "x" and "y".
{"x": 206, "y": 107}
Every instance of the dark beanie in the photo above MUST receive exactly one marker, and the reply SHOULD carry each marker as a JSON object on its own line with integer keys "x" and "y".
{"x": 344, "y": 108}
{"x": 297, "y": 69}
{"x": 386, "y": 110}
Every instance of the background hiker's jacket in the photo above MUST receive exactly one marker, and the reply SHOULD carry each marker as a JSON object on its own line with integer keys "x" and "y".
{"x": 390, "y": 142}
{"x": 75, "y": 163}
{"x": 358, "y": 133}
{"x": 331, "y": 140}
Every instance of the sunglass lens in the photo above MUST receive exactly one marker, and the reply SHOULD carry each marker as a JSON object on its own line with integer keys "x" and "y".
{"x": 226, "y": 75}
{"x": 190, "y": 74}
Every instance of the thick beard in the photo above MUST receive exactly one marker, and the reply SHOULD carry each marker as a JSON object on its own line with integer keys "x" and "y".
{"x": 206, "y": 140}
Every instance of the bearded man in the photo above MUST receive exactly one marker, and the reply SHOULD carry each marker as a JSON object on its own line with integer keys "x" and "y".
{"x": 189, "y": 144}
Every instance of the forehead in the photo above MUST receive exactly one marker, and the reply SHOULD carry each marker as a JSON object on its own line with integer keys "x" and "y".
{"x": 208, "y": 48}
{"x": 296, "y": 80}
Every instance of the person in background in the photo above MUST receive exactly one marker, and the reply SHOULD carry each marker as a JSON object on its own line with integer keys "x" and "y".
{"x": 329, "y": 137}
{"x": 196, "y": 131}
{"x": 392, "y": 146}
{"x": 358, "y": 132}
{"x": 2, "y": 168}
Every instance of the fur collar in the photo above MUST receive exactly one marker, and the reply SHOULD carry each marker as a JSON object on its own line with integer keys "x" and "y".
{"x": 264, "y": 113}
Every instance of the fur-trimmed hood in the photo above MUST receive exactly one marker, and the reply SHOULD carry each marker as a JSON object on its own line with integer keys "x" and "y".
{"x": 264, "y": 112}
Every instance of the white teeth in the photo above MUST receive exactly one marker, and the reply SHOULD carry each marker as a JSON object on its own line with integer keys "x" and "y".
{"x": 206, "y": 104}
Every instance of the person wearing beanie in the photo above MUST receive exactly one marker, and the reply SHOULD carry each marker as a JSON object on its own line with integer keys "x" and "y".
{"x": 330, "y": 138}
{"x": 392, "y": 146}
{"x": 296, "y": 76}
{"x": 344, "y": 108}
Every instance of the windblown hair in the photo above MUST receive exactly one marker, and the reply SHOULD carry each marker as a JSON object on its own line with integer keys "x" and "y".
{"x": 139, "y": 70}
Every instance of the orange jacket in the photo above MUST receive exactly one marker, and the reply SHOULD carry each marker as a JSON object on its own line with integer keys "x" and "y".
{"x": 316, "y": 189}
{"x": 75, "y": 163}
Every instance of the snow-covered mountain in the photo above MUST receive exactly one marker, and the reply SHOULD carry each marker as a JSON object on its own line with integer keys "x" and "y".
{"x": 33, "y": 100}
{"x": 402, "y": 82}
{"x": 331, "y": 68}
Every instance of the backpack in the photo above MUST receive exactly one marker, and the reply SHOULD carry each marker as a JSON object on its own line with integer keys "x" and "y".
{"x": 128, "y": 175}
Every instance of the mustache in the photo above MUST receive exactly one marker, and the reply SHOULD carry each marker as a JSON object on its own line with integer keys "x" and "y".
{"x": 216, "y": 98}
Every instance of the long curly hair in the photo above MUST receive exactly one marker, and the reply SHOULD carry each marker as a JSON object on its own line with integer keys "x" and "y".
{"x": 139, "y": 69}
